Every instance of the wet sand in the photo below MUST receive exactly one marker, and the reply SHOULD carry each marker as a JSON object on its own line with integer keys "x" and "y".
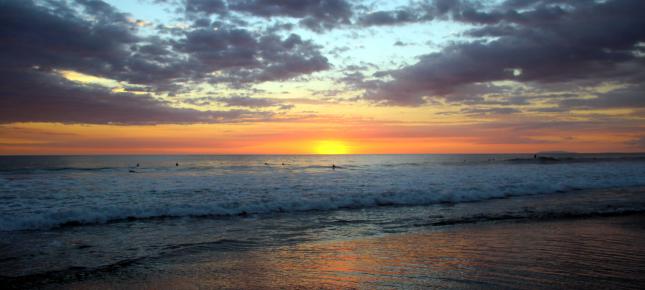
{"x": 591, "y": 253}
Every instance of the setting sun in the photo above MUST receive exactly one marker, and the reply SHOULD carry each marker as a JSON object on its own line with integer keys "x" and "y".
{"x": 331, "y": 147}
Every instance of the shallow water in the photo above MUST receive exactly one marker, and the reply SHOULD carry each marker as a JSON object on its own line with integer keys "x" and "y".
{"x": 596, "y": 253}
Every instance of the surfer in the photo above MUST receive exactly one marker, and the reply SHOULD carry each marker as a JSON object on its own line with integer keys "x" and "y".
{"x": 177, "y": 164}
{"x": 333, "y": 167}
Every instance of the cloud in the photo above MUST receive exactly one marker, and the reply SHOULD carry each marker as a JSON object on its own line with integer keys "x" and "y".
{"x": 471, "y": 12}
{"x": 393, "y": 17}
{"x": 45, "y": 97}
{"x": 629, "y": 97}
{"x": 423, "y": 11}
{"x": 63, "y": 38}
{"x": 206, "y": 6}
{"x": 93, "y": 38}
{"x": 317, "y": 15}
{"x": 243, "y": 56}
{"x": 98, "y": 41}
{"x": 241, "y": 101}
{"x": 489, "y": 111}
{"x": 638, "y": 143}
{"x": 535, "y": 45}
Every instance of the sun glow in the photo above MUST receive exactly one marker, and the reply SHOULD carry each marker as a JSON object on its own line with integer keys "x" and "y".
{"x": 331, "y": 147}
{"x": 86, "y": 79}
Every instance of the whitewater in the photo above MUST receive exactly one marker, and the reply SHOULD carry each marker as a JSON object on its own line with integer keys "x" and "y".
{"x": 46, "y": 192}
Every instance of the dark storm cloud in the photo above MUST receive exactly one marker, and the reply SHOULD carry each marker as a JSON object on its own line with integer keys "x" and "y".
{"x": 584, "y": 40}
{"x": 91, "y": 37}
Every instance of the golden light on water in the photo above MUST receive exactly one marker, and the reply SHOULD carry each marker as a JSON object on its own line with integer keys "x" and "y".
{"x": 331, "y": 147}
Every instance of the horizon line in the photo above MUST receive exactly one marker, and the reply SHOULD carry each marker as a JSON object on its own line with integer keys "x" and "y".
{"x": 307, "y": 154}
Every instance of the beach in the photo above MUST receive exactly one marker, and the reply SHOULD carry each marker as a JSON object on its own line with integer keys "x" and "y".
{"x": 576, "y": 253}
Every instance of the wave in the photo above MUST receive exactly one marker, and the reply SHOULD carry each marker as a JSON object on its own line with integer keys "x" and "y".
{"x": 547, "y": 215}
{"x": 555, "y": 159}
{"x": 57, "y": 169}
{"x": 60, "y": 276}
{"x": 36, "y": 280}
{"x": 259, "y": 166}
{"x": 151, "y": 211}
{"x": 173, "y": 168}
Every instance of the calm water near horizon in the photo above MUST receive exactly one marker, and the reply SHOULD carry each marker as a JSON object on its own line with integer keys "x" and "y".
{"x": 65, "y": 215}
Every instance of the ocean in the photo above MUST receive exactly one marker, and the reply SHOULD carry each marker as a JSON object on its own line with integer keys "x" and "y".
{"x": 65, "y": 219}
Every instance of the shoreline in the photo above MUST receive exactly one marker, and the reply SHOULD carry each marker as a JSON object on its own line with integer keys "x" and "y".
{"x": 589, "y": 252}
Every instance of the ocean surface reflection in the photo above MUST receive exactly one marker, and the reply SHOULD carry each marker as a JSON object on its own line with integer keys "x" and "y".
{"x": 599, "y": 253}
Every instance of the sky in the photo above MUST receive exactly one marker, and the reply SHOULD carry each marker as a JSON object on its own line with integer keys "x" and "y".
{"x": 321, "y": 77}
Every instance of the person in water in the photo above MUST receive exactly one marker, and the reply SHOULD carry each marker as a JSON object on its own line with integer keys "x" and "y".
{"x": 137, "y": 164}
{"x": 333, "y": 166}
{"x": 177, "y": 164}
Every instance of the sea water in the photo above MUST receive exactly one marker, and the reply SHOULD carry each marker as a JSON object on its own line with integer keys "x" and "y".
{"x": 64, "y": 213}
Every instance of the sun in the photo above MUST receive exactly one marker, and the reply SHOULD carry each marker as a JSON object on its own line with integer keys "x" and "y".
{"x": 331, "y": 147}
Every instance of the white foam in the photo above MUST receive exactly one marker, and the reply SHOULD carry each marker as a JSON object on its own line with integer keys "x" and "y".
{"x": 48, "y": 199}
